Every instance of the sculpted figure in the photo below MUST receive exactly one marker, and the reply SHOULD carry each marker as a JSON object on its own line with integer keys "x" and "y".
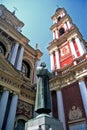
{"x": 43, "y": 97}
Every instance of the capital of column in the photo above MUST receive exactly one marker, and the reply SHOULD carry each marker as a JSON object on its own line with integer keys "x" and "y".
{"x": 81, "y": 79}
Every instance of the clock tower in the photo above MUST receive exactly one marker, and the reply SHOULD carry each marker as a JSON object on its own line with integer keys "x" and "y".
{"x": 68, "y": 60}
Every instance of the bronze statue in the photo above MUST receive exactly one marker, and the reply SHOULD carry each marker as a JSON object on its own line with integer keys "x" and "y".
{"x": 43, "y": 97}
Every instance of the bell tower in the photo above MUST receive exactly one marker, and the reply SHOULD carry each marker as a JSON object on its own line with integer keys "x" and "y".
{"x": 67, "y": 44}
{"x": 68, "y": 61}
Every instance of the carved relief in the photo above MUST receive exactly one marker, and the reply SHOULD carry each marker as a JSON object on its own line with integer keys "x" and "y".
{"x": 24, "y": 109}
{"x": 64, "y": 51}
{"x": 75, "y": 113}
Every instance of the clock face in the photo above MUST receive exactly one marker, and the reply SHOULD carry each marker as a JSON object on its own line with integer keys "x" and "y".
{"x": 64, "y": 50}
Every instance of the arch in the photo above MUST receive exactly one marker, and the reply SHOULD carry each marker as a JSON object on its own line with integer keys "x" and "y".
{"x": 29, "y": 64}
{"x": 2, "y": 48}
{"x": 6, "y": 46}
{"x": 26, "y": 68}
{"x": 61, "y": 31}
{"x": 59, "y": 18}
{"x": 20, "y": 122}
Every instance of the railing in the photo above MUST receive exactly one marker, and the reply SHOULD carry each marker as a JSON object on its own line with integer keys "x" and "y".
{"x": 68, "y": 68}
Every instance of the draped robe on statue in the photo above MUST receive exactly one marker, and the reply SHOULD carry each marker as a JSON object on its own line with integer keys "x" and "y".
{"x": 43, "y": 97}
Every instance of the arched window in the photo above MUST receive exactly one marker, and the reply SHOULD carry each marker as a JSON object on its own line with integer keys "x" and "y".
{"x": 26, "y": 69}
{"x": 59, "y": 18}
{"x": 2, "y": 49}
{"x": 61, "y": 31}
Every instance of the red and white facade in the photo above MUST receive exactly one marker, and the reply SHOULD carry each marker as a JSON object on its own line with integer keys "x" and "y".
{"x": 68, "y": 59}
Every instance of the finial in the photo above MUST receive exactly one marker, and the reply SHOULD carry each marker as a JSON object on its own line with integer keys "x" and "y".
{"x": 15, "y": 9}
{"x": 36, "y": 46}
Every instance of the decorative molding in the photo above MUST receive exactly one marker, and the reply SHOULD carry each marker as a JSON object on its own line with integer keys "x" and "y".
{"x": 25, "y": 109}
{"x": 28, "y": 94}
{"x": 69, "y": 74}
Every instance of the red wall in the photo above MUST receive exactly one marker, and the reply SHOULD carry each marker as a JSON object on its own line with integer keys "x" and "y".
{"x": 72, "y": 97}
{"x": 67, "y": 57}
{"x": 66, "y": 61}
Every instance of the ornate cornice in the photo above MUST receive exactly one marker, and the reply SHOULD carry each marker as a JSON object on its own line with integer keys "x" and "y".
{"x": 9, "y": 77}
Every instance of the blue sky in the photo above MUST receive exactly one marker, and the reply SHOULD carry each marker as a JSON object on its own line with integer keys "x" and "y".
{"x": 36, "y": 15}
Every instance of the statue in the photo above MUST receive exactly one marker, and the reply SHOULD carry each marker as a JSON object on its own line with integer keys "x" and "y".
{"x": 43, "y": 97}
{"x": 43, "y": 121}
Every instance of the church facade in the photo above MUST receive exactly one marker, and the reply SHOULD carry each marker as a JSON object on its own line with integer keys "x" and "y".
{"x": 68, "y": 60}
{"x": 18, "y": 62}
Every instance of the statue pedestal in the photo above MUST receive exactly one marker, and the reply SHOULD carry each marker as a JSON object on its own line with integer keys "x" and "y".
{"x": 43, "y": 122}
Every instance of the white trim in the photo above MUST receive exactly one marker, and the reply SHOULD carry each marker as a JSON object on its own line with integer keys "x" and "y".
{"x": 57, "y": 59}
{"x": 73, "y": 51}
{"x": 61, "y": 108}
{"x": 83, "y": 91}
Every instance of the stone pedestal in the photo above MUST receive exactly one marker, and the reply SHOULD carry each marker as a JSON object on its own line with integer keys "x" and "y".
{"x": 43, "y": 122}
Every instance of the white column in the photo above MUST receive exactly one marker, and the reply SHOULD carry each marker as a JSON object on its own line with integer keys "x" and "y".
{"x": 80, "y": 46}
{"x": 20, "y": 57}
{"x": 53, "y": 35}
{"x": 73, "y": 51}
{"x": 63, "y": 14}
{"x": 57, "y": 59}
{"x": 54, "y": 21}
{"x": 3, "y": 105}
{"x": 68, "y": 24}
{"x": 52, "y": 61}
{"x": 83, "y": 91}
{"x": 61, "y": 108}
{"x": 56, "y": 34}
{"x": 12, "y": 113}
{"x": 14, "y": 54}
{"x": 65, "y": 26}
